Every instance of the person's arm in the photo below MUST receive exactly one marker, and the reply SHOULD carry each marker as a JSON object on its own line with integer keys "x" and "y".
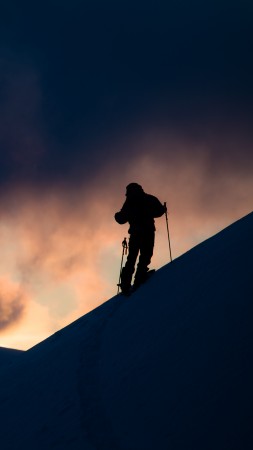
{"x": 122, "y": 216}
{"x": 158, "y": 208}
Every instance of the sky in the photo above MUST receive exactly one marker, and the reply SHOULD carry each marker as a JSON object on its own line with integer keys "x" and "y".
{"x": 93, "y": 97}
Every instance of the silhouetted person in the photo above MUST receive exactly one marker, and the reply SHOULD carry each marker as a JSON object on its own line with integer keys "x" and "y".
{"x": 139, "y": 210}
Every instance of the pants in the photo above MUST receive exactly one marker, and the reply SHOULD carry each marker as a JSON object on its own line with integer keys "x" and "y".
{"x": 142, "y": 242}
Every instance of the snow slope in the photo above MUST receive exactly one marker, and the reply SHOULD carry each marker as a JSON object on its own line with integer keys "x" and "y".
{"x": 8, "y": 355}
{"x": 168, "y": 368}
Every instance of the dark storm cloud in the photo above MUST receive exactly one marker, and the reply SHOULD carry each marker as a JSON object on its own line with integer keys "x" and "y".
{"x": 84, "y": 78}
{"x": 20, "y": 134}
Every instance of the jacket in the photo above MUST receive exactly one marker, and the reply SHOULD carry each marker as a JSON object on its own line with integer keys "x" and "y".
{"x": 140, "y": 212}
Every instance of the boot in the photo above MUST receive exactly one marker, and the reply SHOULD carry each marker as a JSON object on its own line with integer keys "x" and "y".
{"x": 125, "y": 281}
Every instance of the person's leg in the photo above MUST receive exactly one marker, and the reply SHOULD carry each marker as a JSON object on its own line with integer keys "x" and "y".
{"x": 128, "y": 270}
{"x": 147, "y": 241}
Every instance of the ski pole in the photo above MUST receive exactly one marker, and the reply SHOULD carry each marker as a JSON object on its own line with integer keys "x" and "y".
{"x": 124, "y": 252}
{"x": 167, "y": 223}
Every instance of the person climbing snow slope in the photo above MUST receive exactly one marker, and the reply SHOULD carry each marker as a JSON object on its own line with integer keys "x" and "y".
{"x": 139, "y": 210}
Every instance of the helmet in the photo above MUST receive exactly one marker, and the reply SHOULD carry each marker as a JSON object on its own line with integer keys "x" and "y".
{"x": 133, "y": 189}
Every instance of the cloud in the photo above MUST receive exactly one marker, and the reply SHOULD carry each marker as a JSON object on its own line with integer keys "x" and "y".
{"x": 56, "y": 237}
{"x": 13, "y": 300}
{"x": 21, "y": 137}
{"x": 62, "y": 118}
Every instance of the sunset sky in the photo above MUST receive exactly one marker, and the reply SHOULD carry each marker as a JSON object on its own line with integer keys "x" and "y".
{"x": 93, "y": 97}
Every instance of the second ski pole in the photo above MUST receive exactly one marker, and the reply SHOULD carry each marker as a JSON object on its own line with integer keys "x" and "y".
{"x": 167, "y": 223}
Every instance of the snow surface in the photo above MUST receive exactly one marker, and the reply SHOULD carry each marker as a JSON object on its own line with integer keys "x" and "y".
{"x": 8, "y": 355}
{"x": 168, "y": 368}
